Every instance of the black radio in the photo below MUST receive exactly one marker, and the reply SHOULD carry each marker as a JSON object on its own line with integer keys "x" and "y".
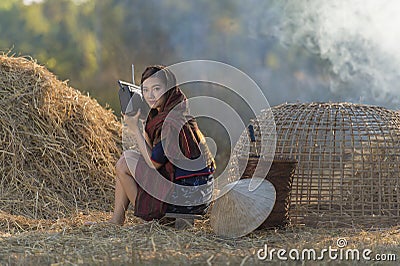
{"x": 131, "y": 98}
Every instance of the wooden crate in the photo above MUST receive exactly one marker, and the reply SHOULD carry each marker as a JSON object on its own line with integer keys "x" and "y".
{"x": 281, "y": 176}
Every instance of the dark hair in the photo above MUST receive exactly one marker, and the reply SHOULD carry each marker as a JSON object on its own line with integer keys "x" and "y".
{"x": 161, "y": 72}
{"x": 165, "y": 75}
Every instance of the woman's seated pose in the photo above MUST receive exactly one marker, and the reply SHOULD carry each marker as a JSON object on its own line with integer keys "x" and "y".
{"x": 170, "y": 142}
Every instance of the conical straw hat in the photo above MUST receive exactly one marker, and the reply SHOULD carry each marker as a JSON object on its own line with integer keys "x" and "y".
{"x": 241, "y": 210}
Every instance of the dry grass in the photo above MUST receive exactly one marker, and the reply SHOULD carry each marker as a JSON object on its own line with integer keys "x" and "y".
{"x": 69, "y": 241}
{"x": 58, "y": 147}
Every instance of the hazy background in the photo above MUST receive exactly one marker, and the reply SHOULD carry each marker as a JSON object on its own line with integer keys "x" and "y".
{"x": 295, "y": 50}
{"x": 311, "y": 50}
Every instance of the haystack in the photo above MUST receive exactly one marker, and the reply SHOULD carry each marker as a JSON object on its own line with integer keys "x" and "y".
{"x": 58, "y": 147}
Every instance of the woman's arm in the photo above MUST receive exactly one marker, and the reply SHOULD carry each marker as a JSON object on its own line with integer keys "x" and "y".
{"x": 146, "y": 137}
{"x": 144, "y": 148}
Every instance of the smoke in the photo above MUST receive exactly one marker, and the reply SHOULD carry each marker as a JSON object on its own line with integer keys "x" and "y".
{"x": 311, "y": 50}
{"x": 359, "y": 38}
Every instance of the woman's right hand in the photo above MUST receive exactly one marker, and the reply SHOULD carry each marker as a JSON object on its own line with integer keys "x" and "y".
{"x": 133, "y": 122}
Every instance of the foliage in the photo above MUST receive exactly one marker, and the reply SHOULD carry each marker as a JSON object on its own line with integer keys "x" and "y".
{"x": 92, "y": 43}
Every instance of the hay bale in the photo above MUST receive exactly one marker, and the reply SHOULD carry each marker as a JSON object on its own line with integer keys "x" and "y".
{"x": 58, "y": 147}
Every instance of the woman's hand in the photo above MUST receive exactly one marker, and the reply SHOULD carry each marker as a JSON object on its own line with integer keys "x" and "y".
{"x": 133, "y": 122}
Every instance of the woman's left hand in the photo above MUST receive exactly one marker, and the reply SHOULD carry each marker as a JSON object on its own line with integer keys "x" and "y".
{"x": 133, "y": 122}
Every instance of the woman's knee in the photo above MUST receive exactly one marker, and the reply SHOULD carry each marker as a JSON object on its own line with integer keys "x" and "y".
{"x": 121, "y": 166}
{"x": 125, "y": 166}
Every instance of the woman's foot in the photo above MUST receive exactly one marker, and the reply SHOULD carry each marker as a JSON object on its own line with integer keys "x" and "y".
{"x": 114, "y": 220}
{"x": 90, "y": 223}
{"x": 117, "y": 220}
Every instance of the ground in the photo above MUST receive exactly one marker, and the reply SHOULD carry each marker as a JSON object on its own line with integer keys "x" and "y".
{"x": 74, "y": 241}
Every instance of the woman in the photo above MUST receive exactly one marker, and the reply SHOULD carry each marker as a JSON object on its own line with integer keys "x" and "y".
{"x": 170, "y": 136}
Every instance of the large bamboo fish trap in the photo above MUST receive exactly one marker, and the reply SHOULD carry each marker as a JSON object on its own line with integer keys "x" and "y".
{"x": 348, "y": 169}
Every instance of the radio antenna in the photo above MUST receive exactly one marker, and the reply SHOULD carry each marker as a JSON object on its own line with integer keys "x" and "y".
{"x": 133, "y": 74}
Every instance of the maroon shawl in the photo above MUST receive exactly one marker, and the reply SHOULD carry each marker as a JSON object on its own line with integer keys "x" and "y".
{"x": 174, "y": 120}
{"x": 191, "y": 143}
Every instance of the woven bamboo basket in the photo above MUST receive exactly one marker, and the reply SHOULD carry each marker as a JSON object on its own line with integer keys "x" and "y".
{"x": 348, "y": 170}
{"x": 281, "y": 176}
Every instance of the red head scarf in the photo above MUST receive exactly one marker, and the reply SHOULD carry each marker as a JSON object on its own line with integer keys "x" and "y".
{"x": 174, "y": 119}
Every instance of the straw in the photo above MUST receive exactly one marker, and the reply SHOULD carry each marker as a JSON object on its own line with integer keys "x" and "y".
{"x": 68, "y": 242}
{"x": 58, "y": 147}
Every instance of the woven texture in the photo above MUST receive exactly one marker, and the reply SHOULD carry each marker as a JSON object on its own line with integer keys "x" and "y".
{"x": 348, "y": 162}
{"x": 281, "y": 176}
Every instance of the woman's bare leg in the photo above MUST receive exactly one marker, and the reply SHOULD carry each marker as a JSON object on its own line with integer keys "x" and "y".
{"x": 121, "y": 204}
{"x": 125, "y": 188}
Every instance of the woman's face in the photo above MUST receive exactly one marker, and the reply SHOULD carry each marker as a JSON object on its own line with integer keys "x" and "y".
{"x": 153, "y": 92}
